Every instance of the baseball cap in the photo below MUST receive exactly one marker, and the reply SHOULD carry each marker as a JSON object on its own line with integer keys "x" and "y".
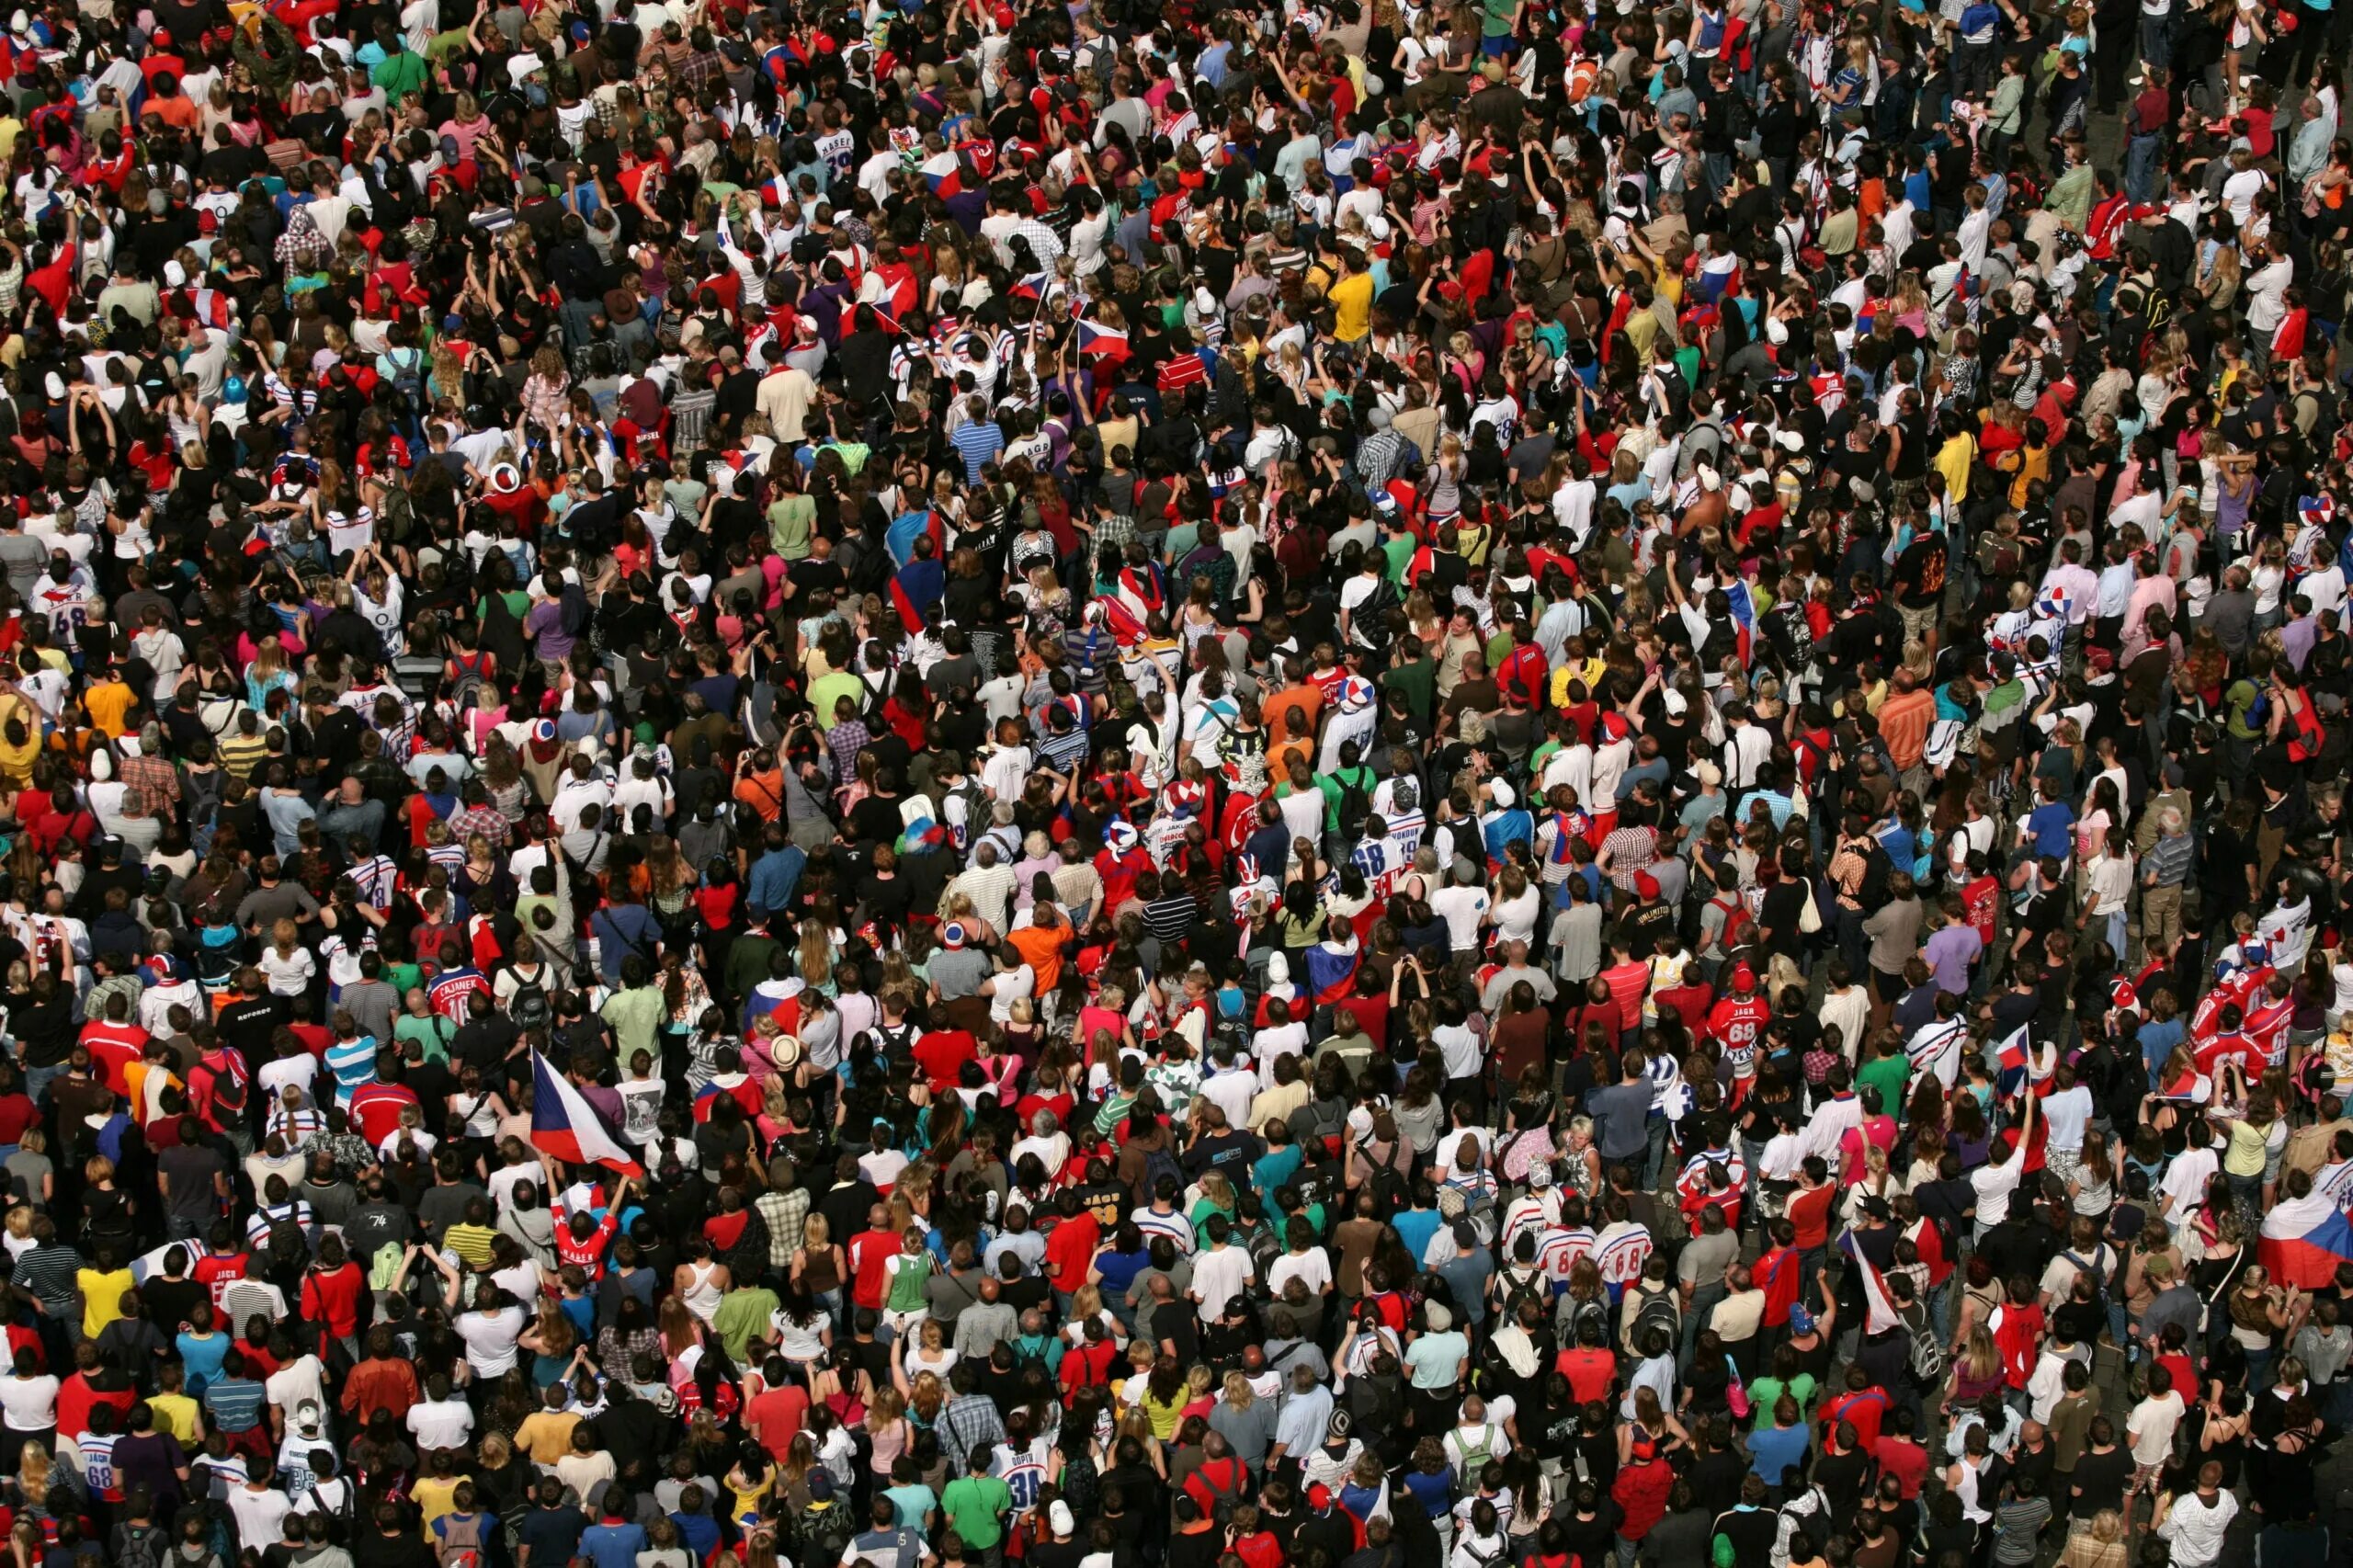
{"x": 1059, "y": 1517}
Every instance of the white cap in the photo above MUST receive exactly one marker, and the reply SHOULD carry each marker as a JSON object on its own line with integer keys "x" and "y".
{"x": 1059, "y": 1517}
{"x": 1500, "y": 792}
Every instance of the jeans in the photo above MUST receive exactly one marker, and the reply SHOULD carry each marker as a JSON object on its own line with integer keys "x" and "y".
{"x": 37, "y": 1082}
{"x": 1656, "y": 1160}
{"x": 2141, "y": 160}
{"x": 2157, "y": 43}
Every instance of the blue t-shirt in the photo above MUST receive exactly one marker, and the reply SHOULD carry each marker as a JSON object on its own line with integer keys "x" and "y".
{"x": 2052, "y": 825}
{"x": 1775, "y": 1450}
{"x": 1120, "y": 1270}
{"x": 1416, "y": 1227}
{"x": 613, "y": 1544}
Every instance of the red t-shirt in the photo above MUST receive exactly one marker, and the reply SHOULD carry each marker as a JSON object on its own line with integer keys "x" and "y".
{"x": 1810, "y": 1213}
{"x": 1905, "y": 1460}
{"x": 1590, "y": 1372}
{"x": 943, "y": 1053}
{"x": 775, "y": 1417}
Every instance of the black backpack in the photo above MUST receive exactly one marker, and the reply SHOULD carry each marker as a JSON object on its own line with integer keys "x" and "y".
{"x": 529, "y": 1008}
{"x": 1356, "y": 802}
{"x": 1656, "y": 1312}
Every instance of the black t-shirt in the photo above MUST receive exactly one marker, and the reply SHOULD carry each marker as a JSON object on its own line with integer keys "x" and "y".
{"x": 1920, "y": 572}
{"x": 2101, "y": 1479}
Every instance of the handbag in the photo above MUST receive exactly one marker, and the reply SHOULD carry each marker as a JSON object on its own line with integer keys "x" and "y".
{"x": 1810, "y": 918}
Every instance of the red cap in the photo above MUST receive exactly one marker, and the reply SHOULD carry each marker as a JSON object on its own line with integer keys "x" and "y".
{"x": 1645, "y": 885}
{"x": 1319, "y": 1495}
{"x": 1743, "y": 978}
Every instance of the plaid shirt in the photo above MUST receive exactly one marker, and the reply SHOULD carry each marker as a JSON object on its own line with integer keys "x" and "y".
{"x": 157, "y": 781}
{"x": 785, "y": 1213}
{"x": 969, "y": 1422}
{"x": 484, "y": 820}
{"x": 702, "y": 69}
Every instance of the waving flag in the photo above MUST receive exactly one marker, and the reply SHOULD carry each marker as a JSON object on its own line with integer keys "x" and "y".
{"x": 1880, "y": 1314}
{"x": 565, "y": 1125}
{"x": 2305, "y": 1239}
{"x": 1102, "y": 345}
{"x": 2013, "y": 1053}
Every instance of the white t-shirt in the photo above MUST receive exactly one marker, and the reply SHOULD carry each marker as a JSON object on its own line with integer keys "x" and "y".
{"x": 441, "y": 1423}
{"x": 1012, "y": 985}
{"x": 1220, "y": 1275}
{"x": 490, "y": 1339}
{"x": 1460, "y": 908}
{"x": 2154, "y": 1420}
{"x": 2066, "y": 1114}
{"x": 30, "y": 1404}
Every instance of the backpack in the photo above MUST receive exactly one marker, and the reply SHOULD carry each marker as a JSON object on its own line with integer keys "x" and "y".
{"x": 1657, "y": 1310}
{"x": 1159, "y": 1163}
{"x": 1355, "y": 803}
{"x": 1369, "y": 622}
{"x": 138, "y": 1546}
{"x": 461, "y": 1542}
{"x": 529, "y": 1009}
{"x": 1927, "y": 1362}
{"x": 825, "y": 1533}
{"x": 572, "y": 612}
{"x": 408, "y": 380}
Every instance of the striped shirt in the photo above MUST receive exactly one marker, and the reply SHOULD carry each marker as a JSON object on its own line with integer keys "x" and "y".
{"x": 977, "y": 442}
{"x": 49, "y": 1273}
{"x": 235, "y": 1404}
{"x": 2168, "y": 860}
{"x": 353, "y": 1062}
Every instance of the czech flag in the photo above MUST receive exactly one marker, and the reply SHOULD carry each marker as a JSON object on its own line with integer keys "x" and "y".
{"x": 1102, "y": 345}
{"x": 2013, "y": 1055}
{"x": 565, "y": 1125}
{"x": 1880, "y": 1314}
{"x": 2305, "y": 1239}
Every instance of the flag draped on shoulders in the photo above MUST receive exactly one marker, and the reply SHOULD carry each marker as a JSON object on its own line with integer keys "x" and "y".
{"x": 565, "y": 1125}
{"x": 2305, "y": 1239}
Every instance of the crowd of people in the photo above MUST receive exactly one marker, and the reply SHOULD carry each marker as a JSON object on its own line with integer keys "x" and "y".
{"x": 1491, "y": 785}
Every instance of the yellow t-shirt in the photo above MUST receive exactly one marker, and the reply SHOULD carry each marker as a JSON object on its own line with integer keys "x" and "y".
{"x": 472, "y": 1244}
{"x": 106, "y": 704}
{"x": 435, "y": 1498}
{"x": 176, "y": 1413}
{"x": 1953, "y": 460}
{"x": 102, "y": 1291}
{"x": 1352, "y": 307}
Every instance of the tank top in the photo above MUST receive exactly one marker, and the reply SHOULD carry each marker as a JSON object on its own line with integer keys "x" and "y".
{"x": 817, "y": 1271}
{"x": 702, "y": 1296}
{"x": 906, "y": 1288}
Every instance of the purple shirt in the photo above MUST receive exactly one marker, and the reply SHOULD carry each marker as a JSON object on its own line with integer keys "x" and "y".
{"x": 1949, "y": 952}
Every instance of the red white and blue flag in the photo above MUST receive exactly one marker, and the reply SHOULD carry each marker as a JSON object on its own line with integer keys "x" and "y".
{"x": 2014, "y": 1054}
{"x": 2304, "y": 1241}
{"x": 1102, "y": 345}
{"x": 565, "y": 1125}
{"x": 1880, "y": 1314}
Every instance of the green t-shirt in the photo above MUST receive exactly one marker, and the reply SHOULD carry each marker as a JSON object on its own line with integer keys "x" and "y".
{"x": 402, "y": 72}
{"x": 975, "y": 1506}
{"x": 2242, "y": 698}
{"x": 1400, "y": 551}
{"x": 434, "y": 1032}
{"x": 1495, "y": 17}
{"x": 1417, "y": 679}
{"x": 1888, "y": 1075}
{"x": 742, "y": 1316}
{"x": 1766, "y": 1392}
